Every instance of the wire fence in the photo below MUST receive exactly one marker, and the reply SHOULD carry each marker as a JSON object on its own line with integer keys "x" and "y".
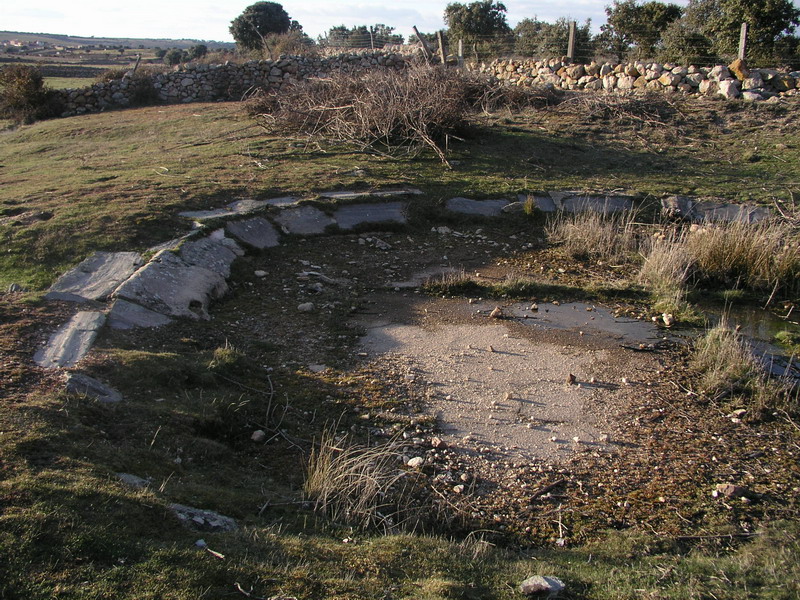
{"x": 688, "y": 50}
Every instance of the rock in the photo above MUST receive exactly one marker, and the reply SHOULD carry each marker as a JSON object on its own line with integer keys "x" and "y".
{"x": 539, "y": 585}
{"x": 15, "y": 288}
{"x": 483, "y": 208}
{"x": 438, "y": 443}
{"x": 260, "y": 274}
{"x": 306, "y": 307}
{"x": 719, "y": 73}
{"x": 96, "y": 277}
{"x": 678, "y": 207}
{"x": 669, "y": 79}
{"x": 729, "y": 89}
{"x": 750, "y": 96}
{"x": 127, "y": 315}
{"x": 739, "y": 69}
{"x": 258, "y": 436}
{"x": 459, "y": 489}
{"x": 668, "y": 318}
{"x": 497, "y": 313}
{"x": 257, "y": 233}
{"x": 203, "y": 520}
{"x": 304, "y": 220}
{"x": 571, "y": 379}
{"x": 416, "y": 462}
{"x": 71, "y": 342}
{"x": 133, "y": 481}
{"x": 169, "y": 286}
{"x": 348, "y": 217}
{"x": 729, "y": 490}
{"x": 213, "y": 254}
{"x": 83, "y": 385}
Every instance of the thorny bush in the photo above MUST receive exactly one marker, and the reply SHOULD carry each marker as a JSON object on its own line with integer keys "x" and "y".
{"x": 387, "y": 112}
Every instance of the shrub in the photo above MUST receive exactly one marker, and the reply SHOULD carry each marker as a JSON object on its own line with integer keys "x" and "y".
{"x": 23, "y": 96}
{"x": 388, "y": 112}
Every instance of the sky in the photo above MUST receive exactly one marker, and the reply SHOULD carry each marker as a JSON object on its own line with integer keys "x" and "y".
{"x": 205, "y": 20}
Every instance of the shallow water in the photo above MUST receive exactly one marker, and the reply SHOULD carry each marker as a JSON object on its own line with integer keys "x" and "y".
{"x": 759, "y": 327}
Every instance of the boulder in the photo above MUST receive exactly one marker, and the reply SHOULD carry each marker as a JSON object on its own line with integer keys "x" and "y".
{"x": 729, "y": 89}
{"x": 538, "y": 585}
{"x": 739, "y": 69}
{"x": 169, "y": 286}
{"x": 83, "y": 385}
{"x": 719, "y": 73}
{"x": 213, "y": 254}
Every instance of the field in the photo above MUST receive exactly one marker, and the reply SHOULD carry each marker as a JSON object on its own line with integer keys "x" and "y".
{"x": 638, "y": 521}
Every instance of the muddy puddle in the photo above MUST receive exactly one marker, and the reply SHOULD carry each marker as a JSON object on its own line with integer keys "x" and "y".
{"x": 534, "y": 382}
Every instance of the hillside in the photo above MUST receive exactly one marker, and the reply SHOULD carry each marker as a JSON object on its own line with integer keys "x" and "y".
{"x": 73, "y": 41}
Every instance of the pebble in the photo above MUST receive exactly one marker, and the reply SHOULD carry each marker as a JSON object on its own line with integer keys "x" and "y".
{"x": 306, "y": 307}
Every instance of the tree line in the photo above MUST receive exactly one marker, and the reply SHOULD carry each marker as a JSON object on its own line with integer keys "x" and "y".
{"x": 705, "y": 31}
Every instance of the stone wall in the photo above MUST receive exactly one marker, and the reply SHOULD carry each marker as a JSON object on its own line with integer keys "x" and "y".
{"x": 732, "y": 81}
{"x": 209, "y": 83}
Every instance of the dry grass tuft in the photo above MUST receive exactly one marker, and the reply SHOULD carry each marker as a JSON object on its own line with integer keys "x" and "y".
{"x": 591, "y": 235}
{"x": 362, "y": 486}
{"x": 762, "y": 257}
{"x": 729, "y": 368}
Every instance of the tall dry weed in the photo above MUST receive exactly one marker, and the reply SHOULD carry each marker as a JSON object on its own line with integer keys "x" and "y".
{"x": 593, "y": 235}
{"x": 360, "y": 485}
{"x": 764, "y": 256}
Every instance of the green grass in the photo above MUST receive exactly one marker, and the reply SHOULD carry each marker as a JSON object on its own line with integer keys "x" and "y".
{"x": 122, "y": 176}
{"x": 70, "y": 529}
{"x": 63, "y": 83}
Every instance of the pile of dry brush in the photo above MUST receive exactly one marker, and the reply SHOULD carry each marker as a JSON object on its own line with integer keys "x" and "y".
{"x": 387, "y": 112}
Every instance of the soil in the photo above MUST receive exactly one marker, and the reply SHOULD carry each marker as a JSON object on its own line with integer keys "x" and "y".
{"x": 482, "y": 398}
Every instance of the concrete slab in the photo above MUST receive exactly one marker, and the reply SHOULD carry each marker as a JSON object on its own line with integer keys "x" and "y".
{"x": 353, "y": 195}
{"x": 603, "y": 205}
{"x": 730, "y": 213}
{"x": 237, "y": 208}
{"x": 83, "y": 385}
{"x": 127, "y": 315}
{"x": 213, "y": 254}
{"x": 304, "y": 220}
{"x": 96, "y": 277}
{"x": 169, "y": 286}
{"x": 352, "y": 215}
{"x": 257, "y": 233}
{"x": 482, "y": 208}
{"x": 542, "y": 203}
{"x": 71, "y": 342}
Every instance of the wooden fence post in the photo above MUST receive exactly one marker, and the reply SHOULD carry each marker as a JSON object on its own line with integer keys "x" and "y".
{"x": 371, "y": 39}
{"x": 743, "y": 42}
{"x": 442, "y": 54}
{"x": 460, "y": 53}
{"x": 425, "y": 49}
{"x": 571, "y": 44}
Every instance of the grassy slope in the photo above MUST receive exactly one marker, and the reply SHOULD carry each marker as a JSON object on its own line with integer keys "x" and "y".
{"x": 116, "y": 181}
